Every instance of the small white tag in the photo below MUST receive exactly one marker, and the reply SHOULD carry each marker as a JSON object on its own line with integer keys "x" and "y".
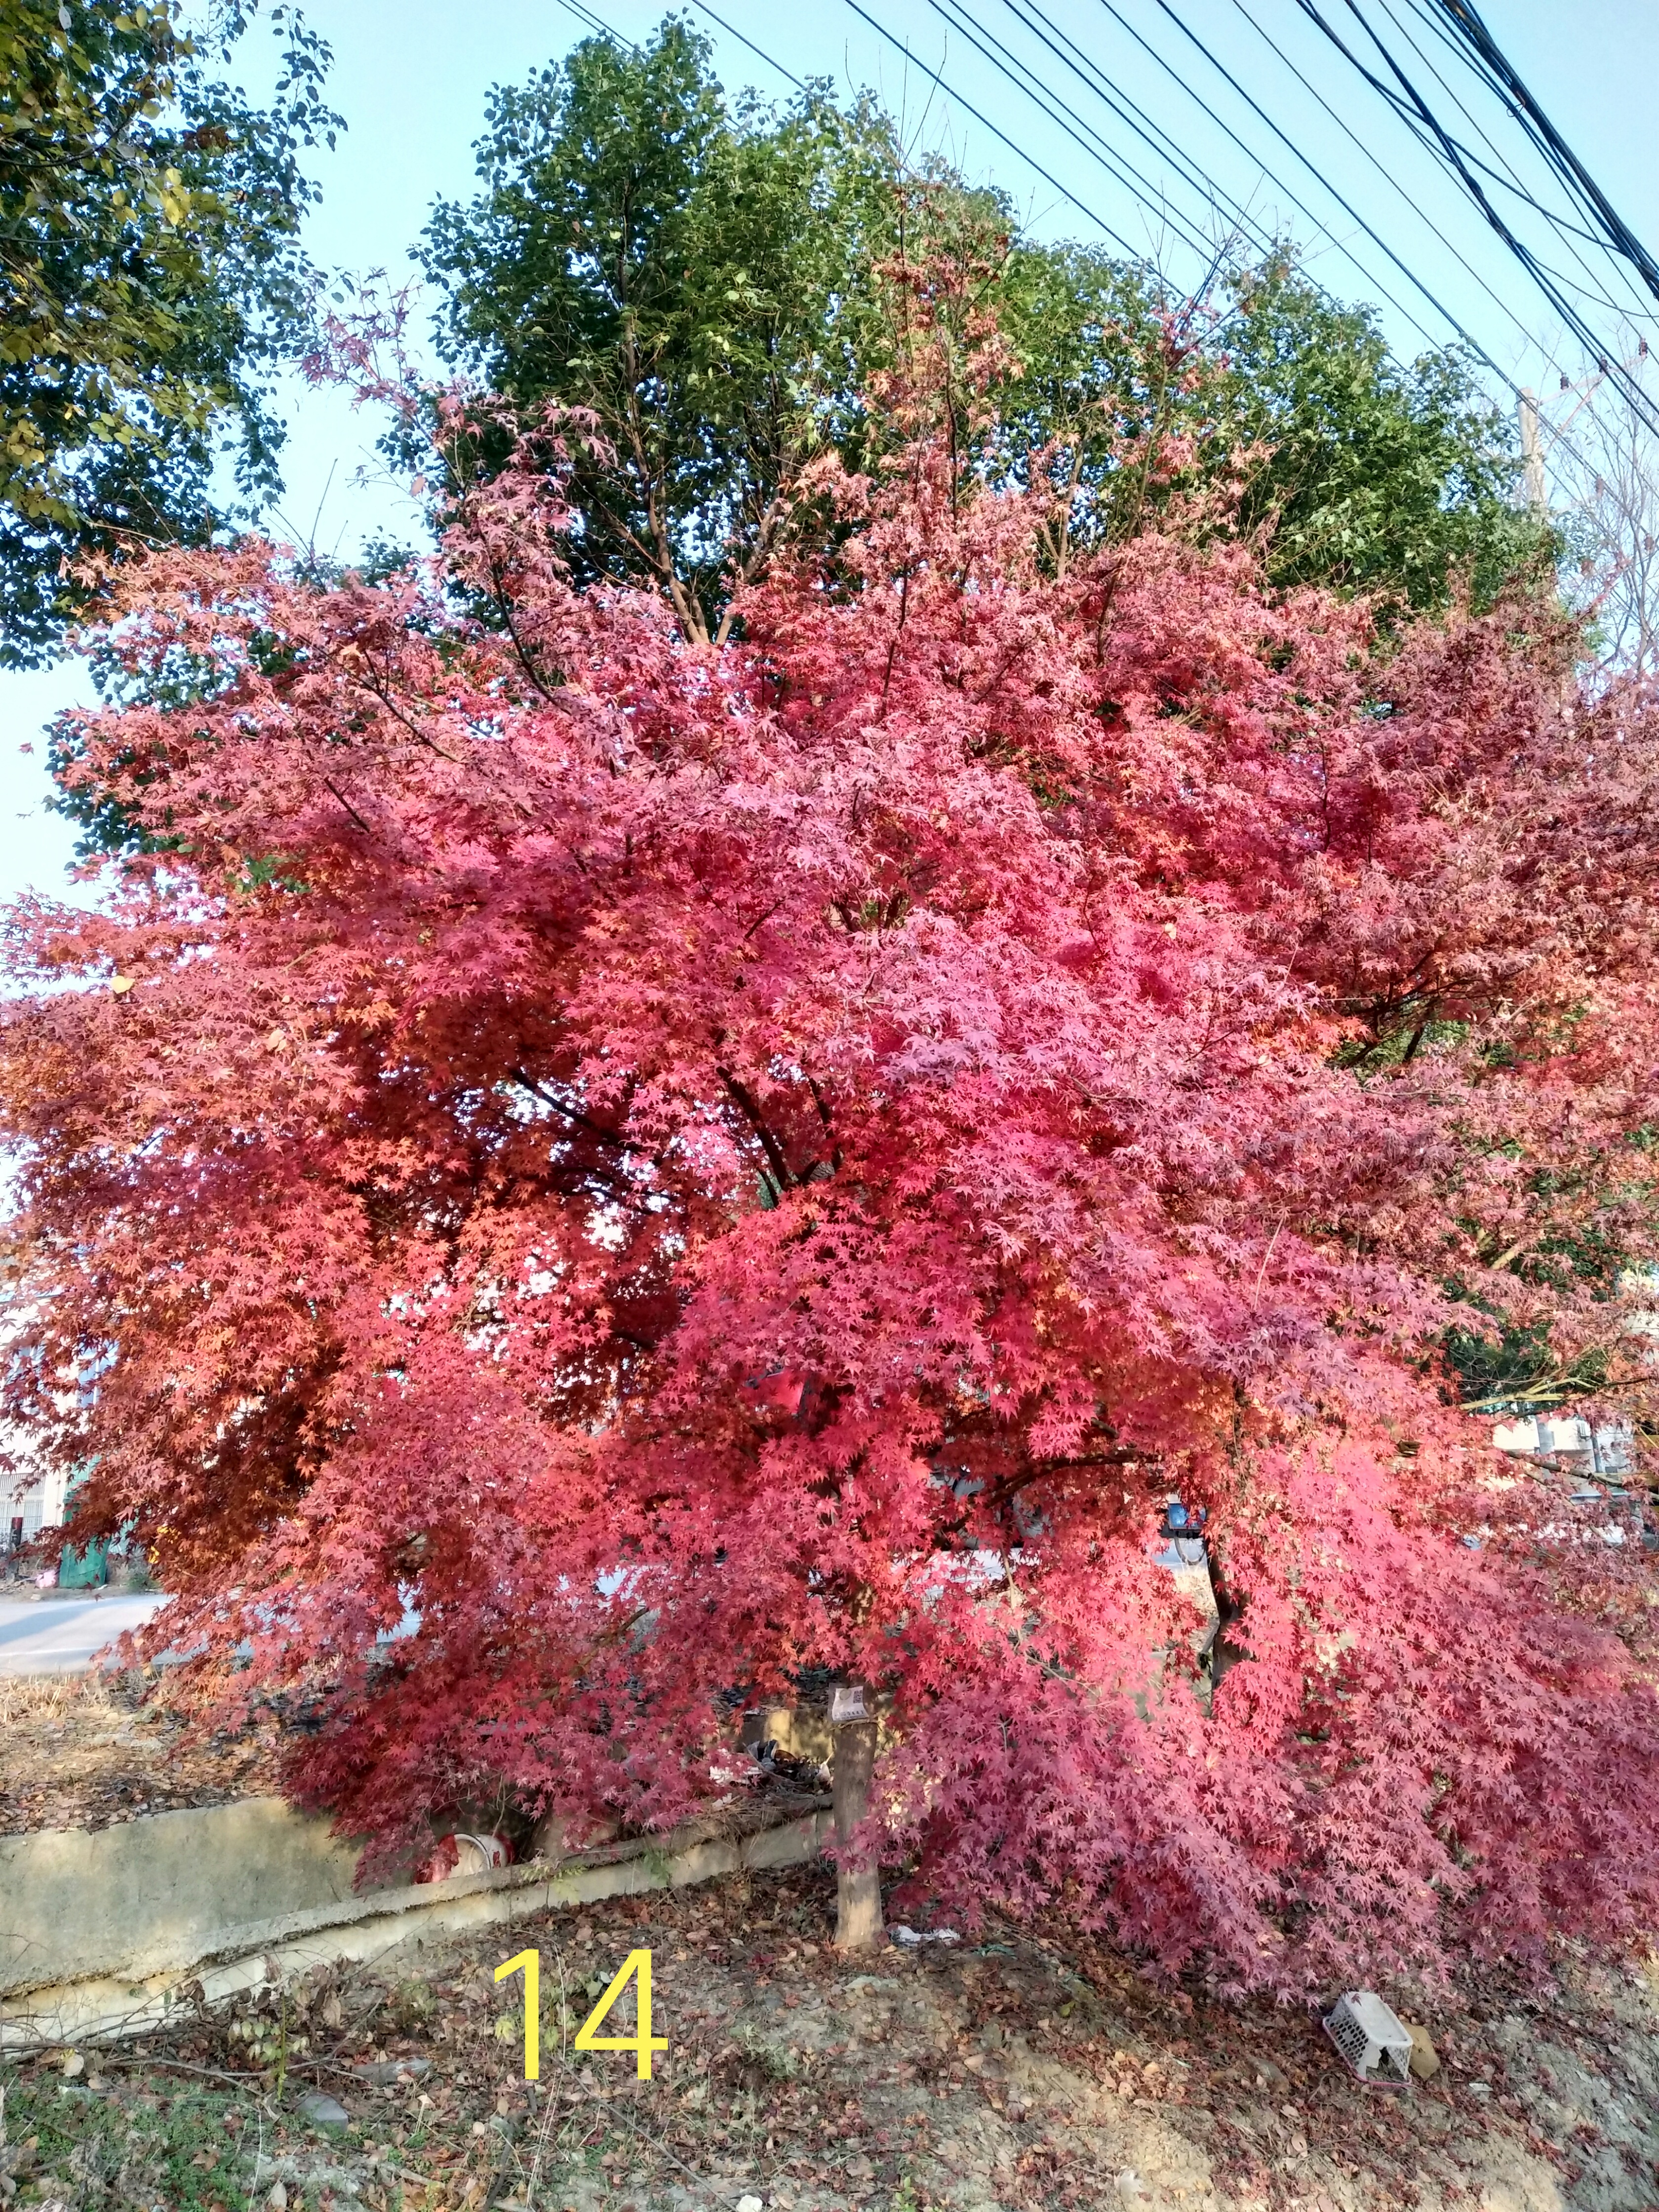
{"x": 847, "y": 1703}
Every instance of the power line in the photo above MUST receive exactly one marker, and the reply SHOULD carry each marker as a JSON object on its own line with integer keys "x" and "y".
{"x": 957, "y": 16}
{"x": 1506, "y": 177}
{"x": 1473, "y": 344}
{"x": 1452, "y": 154}
{"x": 1415, "y": 8}
{"x": 732, "y": 31}
{"x": 1559, "y": 436}
{"x": 1044, "y": 94}
{"x": 1256, "y": 161}
{"x": 582, "y": 14}
{"x": 1566, "y": 164}
{"x": 1027, "y": 80}
{"x": 959, "y": 6}
{"x": 591, "y": 21}
{"x": 1040, "y": 100}
{"x": 1475, "y": 348}
{"x": 1094, "y": 80}
{"x": 1383, "y": 170}
{"x": 1082, "y": 206}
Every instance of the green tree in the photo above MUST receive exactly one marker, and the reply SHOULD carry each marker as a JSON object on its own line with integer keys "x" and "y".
{"x": 704, "y": 277}
{"x": 1104, "y": 372}
{"x": 715, "y": 281}
{"x": 151, "y": 278}
{"x": 1364, "y": 474}
{"x": 1380, "y": 477}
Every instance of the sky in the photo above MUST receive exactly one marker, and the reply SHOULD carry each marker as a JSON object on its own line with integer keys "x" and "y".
{"x": 412, "y": 81}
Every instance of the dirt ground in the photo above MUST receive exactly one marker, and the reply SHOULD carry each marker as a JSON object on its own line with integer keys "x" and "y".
{"x": 82, "y": 1752}
{"x": 1012, "y": 2073}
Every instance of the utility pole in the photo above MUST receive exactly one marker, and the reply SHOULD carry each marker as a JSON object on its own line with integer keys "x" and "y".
{"x": 1532, "y": 451}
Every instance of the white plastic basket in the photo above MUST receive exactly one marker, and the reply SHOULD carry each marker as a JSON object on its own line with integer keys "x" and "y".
{"x": 1370, "y": 2037}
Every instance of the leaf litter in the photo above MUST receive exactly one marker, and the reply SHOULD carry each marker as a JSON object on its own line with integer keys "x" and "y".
{"x": 1022, "y": 2073}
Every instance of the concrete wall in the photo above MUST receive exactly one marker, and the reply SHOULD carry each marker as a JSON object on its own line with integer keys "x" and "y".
{"x": 102, "y": 1933}
{"x": 147, "y": 1894}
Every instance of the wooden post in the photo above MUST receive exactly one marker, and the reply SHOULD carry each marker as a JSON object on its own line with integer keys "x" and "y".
{"x": 858, "y": 1884}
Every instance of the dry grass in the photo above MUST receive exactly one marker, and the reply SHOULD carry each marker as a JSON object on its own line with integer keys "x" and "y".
{"x": 34, "y": 1700}
{"x": 81, "y": 1751}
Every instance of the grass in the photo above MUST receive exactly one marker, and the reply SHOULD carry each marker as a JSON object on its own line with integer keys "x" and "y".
{"x": 181, "y": 2151}
{"x": 33, "y": 1700}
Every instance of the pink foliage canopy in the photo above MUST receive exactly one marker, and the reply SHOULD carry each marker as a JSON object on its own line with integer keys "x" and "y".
{"x": 690, "y": 1167}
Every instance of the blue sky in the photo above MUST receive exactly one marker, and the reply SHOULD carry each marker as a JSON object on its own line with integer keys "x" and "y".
{"x": 411, "y": 82}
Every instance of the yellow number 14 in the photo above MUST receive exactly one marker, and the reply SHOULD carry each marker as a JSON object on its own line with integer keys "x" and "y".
{"x": 642, "y": 2042}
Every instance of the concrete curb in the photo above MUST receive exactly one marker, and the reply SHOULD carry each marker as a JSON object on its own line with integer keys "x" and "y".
{"x": 142, "y": 1897}
{"x": 204, "y": 1963}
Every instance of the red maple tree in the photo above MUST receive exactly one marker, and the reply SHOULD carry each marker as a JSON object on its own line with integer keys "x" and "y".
{"x": 681, "y": 1169}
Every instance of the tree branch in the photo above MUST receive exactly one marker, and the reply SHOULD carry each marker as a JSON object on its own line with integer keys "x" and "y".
{"x": 744, "y": 1101}
{"x": 605, "y": 1136}
{"x": 329, "y": 785}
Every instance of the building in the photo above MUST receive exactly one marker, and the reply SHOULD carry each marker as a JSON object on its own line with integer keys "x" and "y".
{"x": 1608, "y": 1451}
{"x": 30, "y": 1498}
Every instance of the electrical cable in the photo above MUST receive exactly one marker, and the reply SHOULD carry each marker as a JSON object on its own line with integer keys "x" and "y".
{"x": 772, "y": 62}
{"x": 1557, "y": 433}
{"x": 575, "y": 8}
{"x": 1467, "y": 22}
{"x": 950, "y": 11}
{"x": 1413, "y": 110}
{"x": 1511, "y": 181}
{"x": 1094, "y": 80}
{"x": 1271, "y": 176}
{"x": 1082, "y": 206}
{"x": 1452, "y": 154}
{"x": 1474, "y": 346}
{"x": 1469, "y": 340}
{"x": 1389, "y": 176}
{"x": 1191, "y": 173}
{"x": 732, "y": 31}
{"x": 1249, "y": 223}
{"x": 1024, "y": 9}
{"x": 1479, "y": 351}
{"x": 1437, "y": 31}
{"x": 591, "y": 21}
{"x": 1093, "y": 214}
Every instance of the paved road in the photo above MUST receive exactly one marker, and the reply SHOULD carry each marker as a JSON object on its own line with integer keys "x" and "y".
{"x": 59, "y": 1635}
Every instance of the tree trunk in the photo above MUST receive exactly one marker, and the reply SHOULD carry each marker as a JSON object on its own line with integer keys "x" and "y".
{"x": 858, "y": 1886}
